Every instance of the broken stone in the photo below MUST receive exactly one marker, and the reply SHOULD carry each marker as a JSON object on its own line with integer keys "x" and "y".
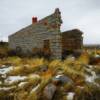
{"x": 49, "y": 91}
{"x": 62, "y": 79}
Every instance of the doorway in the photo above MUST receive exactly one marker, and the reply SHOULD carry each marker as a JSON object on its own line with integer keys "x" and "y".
{"x": 46, "y": 46}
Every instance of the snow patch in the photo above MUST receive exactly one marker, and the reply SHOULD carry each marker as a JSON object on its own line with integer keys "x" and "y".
{"x": 97, "y": 56}
{"x": 5, "y": 70}
{"x": 13, "y": 79}
{"x": 35, "y": 88}
{"x": 70, "y": 96}
{"x": 7, "y": 88}
{"x": 92, "y": 77}
{"x": 58, "y": 76}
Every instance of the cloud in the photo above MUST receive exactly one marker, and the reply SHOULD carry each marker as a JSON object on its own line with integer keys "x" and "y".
{"x": 82, "y": 14}
{"x": 90, "y": 25}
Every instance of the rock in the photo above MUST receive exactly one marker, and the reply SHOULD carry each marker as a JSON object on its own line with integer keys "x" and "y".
{"x": 49, "y": 91}
{"x": 61, "y": 79}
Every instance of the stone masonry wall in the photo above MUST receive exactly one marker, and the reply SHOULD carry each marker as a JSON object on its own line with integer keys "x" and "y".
{"x": 34, "y": 35}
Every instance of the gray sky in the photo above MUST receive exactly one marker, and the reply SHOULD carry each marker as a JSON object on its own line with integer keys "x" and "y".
{"x": 82, "y": 14}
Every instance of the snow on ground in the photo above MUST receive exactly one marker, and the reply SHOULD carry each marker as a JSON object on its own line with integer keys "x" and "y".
{"x": 70, "y": 96}
{"x": 5, "y": 70}
{"x": 7, "y": 88}
{"x": 58, "y": 76}
{"x": 13, "y": 79}
{"x": 91, "y": 78}
{"x": 97, "y": 55}
{"x": 35, "y": 88}
{"x": 93, "y": 75}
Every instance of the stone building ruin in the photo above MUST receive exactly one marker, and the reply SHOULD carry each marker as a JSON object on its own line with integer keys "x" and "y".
{"x": 46, "y": 34}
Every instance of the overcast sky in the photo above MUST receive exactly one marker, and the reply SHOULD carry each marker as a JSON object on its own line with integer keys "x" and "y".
{"x": 81, "y": 14}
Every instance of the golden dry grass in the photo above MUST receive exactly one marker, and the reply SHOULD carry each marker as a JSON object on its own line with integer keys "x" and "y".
{"x": 75, "y": 69}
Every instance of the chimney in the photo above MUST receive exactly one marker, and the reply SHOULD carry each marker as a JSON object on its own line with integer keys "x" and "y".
{"x": 57, "y": 11}
{"x": 34, "y": 20}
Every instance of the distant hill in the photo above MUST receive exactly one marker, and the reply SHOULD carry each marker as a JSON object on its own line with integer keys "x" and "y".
{"x": 92, "y": 46}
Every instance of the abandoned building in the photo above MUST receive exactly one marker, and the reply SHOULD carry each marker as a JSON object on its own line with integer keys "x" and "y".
{"x": 45, "y": 34}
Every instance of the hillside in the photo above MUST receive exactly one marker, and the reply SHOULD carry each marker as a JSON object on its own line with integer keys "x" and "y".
{"x": 40, "y": 79}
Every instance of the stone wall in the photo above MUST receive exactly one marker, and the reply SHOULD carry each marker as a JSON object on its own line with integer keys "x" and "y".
{"x": 34, "y": 35}
{"x": 48, "y": 28}
{"x": 72, "y": 40}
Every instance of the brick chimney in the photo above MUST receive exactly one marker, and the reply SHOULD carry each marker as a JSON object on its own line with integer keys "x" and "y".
{"x": 34, "y": 20}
